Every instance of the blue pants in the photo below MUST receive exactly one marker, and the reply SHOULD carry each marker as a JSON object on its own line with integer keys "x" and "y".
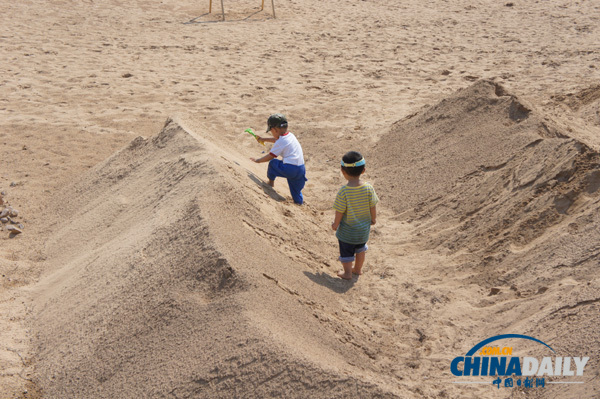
{"x": 295, "y": 175}
{"x": 347, "y": 251}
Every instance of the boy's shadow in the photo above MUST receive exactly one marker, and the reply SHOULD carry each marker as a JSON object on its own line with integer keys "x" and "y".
{"x": 335, "y": 284}
{"x": 270, "y": 191}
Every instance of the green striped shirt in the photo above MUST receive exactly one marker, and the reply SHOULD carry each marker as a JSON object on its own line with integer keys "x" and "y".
{"x": 355, "y": 203}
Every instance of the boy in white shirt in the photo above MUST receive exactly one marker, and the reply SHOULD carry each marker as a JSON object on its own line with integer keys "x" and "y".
{"x": 287, "y": 146}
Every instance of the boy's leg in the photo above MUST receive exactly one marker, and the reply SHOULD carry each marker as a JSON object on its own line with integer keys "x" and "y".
{"x": 347, "y": 259}
{"x": 296, "y": 187}
{"x": 275, "y": 169}
{"x": 360, "y": 259}
{"x": 296, "y": 181}
{"x": 346, "y": 274}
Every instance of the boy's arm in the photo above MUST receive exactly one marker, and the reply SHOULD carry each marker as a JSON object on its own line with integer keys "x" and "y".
{"x": 268, "y": 139}
{"x": 373, "y": 214}
{"x": 337, "y": 220}
{"x": 266, "y": 158}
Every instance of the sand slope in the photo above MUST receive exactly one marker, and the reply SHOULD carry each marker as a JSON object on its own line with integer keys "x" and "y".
{"x": 502, "y": 194}
{"x": 174, "y": 270}
{"x": 170, "y": 277}
{"x": 513, "y": 201}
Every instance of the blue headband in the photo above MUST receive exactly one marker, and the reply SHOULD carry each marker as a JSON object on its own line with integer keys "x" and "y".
{"x": 352, "y": 165}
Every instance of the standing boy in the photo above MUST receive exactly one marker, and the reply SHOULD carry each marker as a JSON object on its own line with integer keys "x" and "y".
{"x": 355, "y": 212}
{"x": 292, "y": 165}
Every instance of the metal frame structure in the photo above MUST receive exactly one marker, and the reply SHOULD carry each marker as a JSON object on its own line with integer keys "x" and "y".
{"x": 262, "y": 7}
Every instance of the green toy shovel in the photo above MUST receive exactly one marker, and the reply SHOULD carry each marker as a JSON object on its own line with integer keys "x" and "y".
{"x": 252, "y": 133}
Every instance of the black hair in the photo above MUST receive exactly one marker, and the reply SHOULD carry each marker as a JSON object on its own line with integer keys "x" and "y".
{"x": 351, "y": 157}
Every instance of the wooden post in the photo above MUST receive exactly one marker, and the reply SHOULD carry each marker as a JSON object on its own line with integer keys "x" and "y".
{"x": 209, "y": 6}
{"x": 223, "y": 10}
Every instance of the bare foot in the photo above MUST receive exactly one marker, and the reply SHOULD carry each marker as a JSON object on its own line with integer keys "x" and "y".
{"x": 342, "y": 274}
{"x": 356, "y": 271}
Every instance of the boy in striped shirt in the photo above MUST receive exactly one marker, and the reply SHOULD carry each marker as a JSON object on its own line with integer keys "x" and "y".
{"x": 355, "y": 212}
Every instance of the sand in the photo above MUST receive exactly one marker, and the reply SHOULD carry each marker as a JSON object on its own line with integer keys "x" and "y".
{"x": 155, "y": 262}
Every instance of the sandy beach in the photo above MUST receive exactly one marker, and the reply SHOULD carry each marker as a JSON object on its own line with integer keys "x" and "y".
{"x": 145, "y": 255}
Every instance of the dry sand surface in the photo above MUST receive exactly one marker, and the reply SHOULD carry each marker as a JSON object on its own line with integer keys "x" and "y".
{"x": 153, "y": 261}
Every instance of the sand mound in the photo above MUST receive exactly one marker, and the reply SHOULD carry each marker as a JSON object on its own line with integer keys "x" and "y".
{"x": 504, "y": 179}
{"x": 480, "y": 127}
{"x": 585, "y": 103}
{"x": 82, "y": 79}
{"x": 173, "y": 270}
{"x": 513, "y": 200}
{"x": 157, "y": 284}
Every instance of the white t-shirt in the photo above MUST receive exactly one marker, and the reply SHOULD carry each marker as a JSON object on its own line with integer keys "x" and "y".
{"x": 289, "y": 148}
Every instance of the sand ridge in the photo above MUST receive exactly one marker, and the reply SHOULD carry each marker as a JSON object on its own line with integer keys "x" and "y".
{"x": 82, "y": 80}
{"x": 165, "y": 259}
{"x": 239, "y": 249}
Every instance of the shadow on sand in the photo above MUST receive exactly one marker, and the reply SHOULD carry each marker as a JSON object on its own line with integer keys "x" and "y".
{"x": 335, "y": 284}
{"x": 270, "y": 191}
{"x": 219, "y": 15}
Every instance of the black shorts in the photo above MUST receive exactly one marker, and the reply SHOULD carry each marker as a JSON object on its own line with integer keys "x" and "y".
{"x": 347, "y": 251}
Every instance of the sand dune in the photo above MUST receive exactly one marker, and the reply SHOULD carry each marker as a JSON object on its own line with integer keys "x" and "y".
{"x": 181, "y": 273}
{"x": 161, "y": 266}
{"x": 174, "y": 275}
{"x": 513, "y": 201}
